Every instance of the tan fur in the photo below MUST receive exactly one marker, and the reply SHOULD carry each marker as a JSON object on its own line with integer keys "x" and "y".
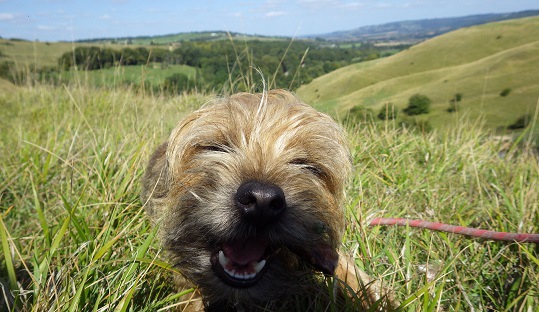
{"x": 192, "y": 183}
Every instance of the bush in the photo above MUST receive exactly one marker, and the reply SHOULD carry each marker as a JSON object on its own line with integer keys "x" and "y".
{"x": 418, "y": 104}
{"x": 7, "y": 68}
{"x": 521, "y": 123}
{"x": 178, "y": 82}
{"x": 359, "y": 113}
{"x": 453, "y": 103}
{"x": 505, "y": 92}
{"x": 388, "y": 112}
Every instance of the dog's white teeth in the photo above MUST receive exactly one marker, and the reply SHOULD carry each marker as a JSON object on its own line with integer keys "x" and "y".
{"x": 231, "y": 273}
{"x": 239, "y": 275}
{"x": 255, "y": 266}
{"x": 223, "y": 260}
{"x": 259, "y": 266}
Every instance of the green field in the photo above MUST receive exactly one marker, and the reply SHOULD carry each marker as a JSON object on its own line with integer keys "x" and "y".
{"x": 74, "y": 235}
{"x": 35, "y": 53}
{"x": 478, "y": 62}
{"x": 152, "y": 75}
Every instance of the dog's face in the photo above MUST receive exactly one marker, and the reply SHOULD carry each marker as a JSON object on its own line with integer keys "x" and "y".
{"x": 246, "y": 190}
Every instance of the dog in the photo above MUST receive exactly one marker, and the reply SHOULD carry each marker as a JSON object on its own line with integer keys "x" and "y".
{"x": 248, "y": 195}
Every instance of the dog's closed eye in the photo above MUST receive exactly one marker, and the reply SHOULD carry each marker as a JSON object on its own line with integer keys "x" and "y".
{"x": 214, "y": 147}
{"x": 308, "y": 166}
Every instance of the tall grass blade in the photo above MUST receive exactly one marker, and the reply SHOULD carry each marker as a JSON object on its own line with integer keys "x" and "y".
{"x": 10, "y": 267}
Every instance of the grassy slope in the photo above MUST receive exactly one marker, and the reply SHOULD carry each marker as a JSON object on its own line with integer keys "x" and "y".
{"x": 478, "y": 62}
{"x": 72, "y": 159}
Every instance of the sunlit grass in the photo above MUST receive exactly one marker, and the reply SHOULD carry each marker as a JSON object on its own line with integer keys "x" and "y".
{"x": 74, "y": 236}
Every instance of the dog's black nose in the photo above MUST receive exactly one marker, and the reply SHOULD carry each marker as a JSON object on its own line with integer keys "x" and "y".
{"x": 260, "y": 202}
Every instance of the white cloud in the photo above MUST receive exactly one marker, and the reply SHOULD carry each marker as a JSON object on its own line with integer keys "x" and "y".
{"x": 7, "y": 16}
{"x": 275, "y": 13}
{"x": 105, "y": 17}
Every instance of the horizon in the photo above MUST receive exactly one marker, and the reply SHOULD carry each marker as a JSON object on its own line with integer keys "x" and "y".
{"x": 61, "y": 20}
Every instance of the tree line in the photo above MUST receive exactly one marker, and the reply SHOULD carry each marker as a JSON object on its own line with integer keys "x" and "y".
{"x": 288, "y": 64}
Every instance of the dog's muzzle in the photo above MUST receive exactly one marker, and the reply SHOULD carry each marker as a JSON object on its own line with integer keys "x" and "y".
{"x": 241, "y": 263}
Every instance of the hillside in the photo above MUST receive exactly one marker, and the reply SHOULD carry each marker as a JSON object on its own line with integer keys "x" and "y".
{"x": 477, "y": 62}
{"x": 418, "y": 30}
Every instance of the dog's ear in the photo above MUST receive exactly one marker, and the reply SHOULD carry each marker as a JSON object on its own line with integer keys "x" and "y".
{"x": 154, "y": 182}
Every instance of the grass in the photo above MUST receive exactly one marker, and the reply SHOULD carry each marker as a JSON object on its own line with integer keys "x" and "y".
{"x": 74, "y": 236}
{"x": 478, "y": 62}
{"x": 40, "y": 54}
{"x": 151, "y": 76}
{"x": 70, "y": 217}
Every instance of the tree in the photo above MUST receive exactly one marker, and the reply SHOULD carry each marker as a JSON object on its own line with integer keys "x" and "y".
{"x": 454, "y": 102}
{"x": 388, "y": 112}
{"x": 505, "y": 92}
{"x": 359, "y": 114}
{"x": 417, "y": 104}
{"x": 521, "y": 123}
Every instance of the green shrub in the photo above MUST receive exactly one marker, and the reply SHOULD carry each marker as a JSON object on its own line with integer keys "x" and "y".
{"x": 453, "y": 103}
{"x": 418, "y": 104}
{"x": 388, "y": 112}
{"x": 521, "y": 123}
{"x": 505, "y": 92}
{"x": 359, "y": 113}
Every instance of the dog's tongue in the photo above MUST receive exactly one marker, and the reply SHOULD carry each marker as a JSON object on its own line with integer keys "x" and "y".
{"x": 245, "y": 252}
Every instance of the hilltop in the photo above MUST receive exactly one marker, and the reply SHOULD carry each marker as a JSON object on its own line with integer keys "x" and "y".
{"x": 200, "y": 36}
{"x": 477, "y": 62}
{"x": 418, "y": 30}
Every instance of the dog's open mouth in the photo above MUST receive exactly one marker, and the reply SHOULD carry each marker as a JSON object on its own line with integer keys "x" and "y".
{"x": 241, "y": 263}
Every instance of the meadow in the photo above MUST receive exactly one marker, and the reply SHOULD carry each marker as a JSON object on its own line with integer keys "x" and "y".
{"x": 151, "y": 76}
{"x": 477, "y": 62}
{"x": 74, "y": 236}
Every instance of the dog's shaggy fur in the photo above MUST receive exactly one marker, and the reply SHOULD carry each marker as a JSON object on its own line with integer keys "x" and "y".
{"x": 248, "y": 195}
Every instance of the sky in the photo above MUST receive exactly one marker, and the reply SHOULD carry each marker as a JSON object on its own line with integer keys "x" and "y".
{"x": 67, "y": 20}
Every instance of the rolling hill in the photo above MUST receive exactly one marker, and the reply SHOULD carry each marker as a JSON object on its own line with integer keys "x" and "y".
{"x": 418, "y": 30}
{"x": 183, "y": 37}
{"x": 478, "y": 62}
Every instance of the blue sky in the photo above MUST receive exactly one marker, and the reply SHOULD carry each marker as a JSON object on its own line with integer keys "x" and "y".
{"x": 54, "y": 20}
